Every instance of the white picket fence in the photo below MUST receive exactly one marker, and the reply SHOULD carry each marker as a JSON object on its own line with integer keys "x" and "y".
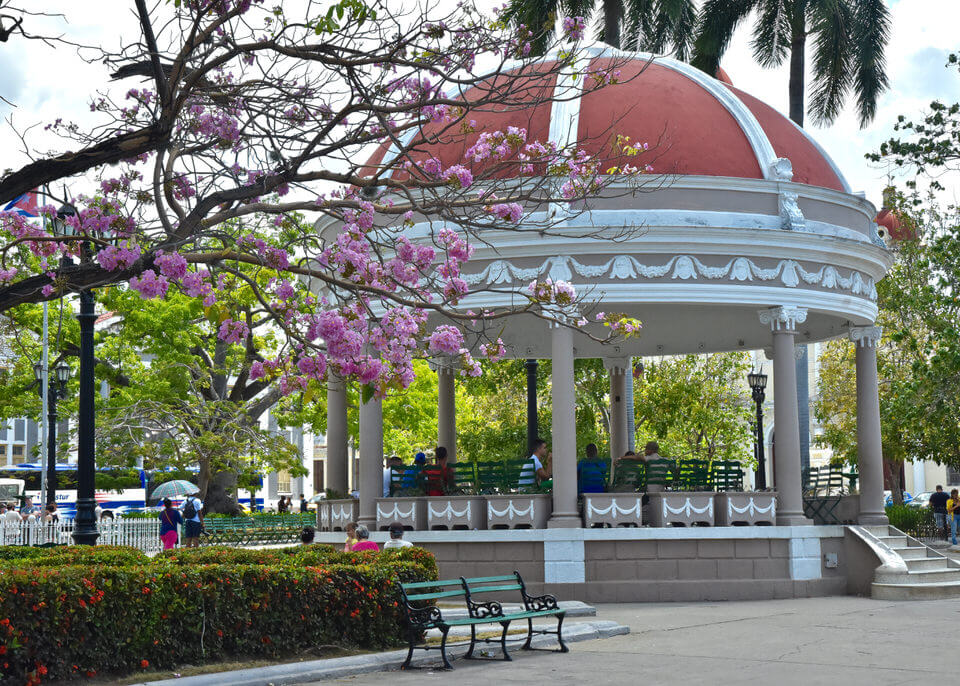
{"x": 138, "y": 533}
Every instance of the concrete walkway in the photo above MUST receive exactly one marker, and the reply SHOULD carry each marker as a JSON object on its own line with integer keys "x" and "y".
{"x": 839, "y": 640}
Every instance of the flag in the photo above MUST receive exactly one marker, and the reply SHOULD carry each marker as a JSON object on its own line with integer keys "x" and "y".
{"x": 25, "y": 205}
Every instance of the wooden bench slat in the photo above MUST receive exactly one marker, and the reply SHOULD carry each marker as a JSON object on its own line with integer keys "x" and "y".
{"x": 484, "y": 579}
{"x": 434, "y": 596}
{"x": 488, "y": 589}
{"x": 428, "y": 584}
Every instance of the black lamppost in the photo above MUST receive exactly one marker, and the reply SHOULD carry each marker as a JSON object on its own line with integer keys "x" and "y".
{"x": 85, "y": 524}
{"x": 758, "y": 382}
{"x": 533, "y": 431}
{"x": 55, "y": 391}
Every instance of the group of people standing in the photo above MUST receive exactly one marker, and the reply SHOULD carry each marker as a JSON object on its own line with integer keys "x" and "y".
{"x": 189, "y": 516}
{"x": 946, "y": 511}
{"x": 28, "y": 513}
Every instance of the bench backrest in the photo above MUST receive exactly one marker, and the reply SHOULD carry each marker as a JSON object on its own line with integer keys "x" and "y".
{"x": 660, "y": 472}
{"x": 693, "y": 475}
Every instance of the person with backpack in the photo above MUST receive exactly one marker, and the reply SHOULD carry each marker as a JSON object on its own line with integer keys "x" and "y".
{"x": 192, "y": 510}
{"x": 169, "y": 520}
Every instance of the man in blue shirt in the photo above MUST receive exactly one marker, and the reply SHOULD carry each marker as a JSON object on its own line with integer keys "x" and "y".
{"x": 592, "y": 472}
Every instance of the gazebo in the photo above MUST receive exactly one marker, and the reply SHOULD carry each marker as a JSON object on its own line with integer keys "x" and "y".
{"x": 754, "y": 240}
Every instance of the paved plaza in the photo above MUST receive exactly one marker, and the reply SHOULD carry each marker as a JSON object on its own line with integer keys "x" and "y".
{"x": 836, "y": 640}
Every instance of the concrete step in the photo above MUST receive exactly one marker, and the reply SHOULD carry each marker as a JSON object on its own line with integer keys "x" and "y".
{"x": 894, "y": 541}
{"x": 912, "y": 552}
{"x": 928, "y": 563}
{"x": 915, "y": 591}
{"x": 932, "y": 576}
{"x": 879, "y": 530}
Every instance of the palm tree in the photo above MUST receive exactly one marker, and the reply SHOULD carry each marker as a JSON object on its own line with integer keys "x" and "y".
{"x": 655, "y": 25}
{"x": 849, "y": 40}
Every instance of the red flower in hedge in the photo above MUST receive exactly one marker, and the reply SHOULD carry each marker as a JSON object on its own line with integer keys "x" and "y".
{"x": 144, "y": 664}
{"x": 42, "y": 670}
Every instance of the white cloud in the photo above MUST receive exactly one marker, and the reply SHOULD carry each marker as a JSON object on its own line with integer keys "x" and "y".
{"x": 47, "y": 83}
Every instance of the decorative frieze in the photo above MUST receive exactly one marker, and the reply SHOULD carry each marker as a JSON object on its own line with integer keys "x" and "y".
{"x": 789, "y": 273}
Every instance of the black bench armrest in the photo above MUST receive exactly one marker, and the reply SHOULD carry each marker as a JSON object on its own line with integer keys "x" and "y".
{"x": 478, "y": 610}
{"x": 535, "y": 603}
{"x": 423, "y": 617}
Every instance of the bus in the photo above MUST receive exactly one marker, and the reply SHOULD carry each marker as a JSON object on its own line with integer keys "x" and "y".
{"x": 130, "y": 498}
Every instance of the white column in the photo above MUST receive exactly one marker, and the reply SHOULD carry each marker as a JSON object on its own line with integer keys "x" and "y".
{"x": 618, "y": 369}
{"x": 371, "y": 460}
{"x": 337, "y": 463}
{"x": 869, "y": 442}
{"x": 446, "y": 405}
{"x": 787, "y": 478}
{"x": 564, "y": 443}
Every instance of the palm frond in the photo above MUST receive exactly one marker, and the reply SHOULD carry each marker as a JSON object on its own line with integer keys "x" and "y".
{"x": 772, "y": 33}
{"x": 639, "y": 16}
{"x": 871, "y": 32}
{"x": 831, "y": 21}
{"x": 674, "y": 28}
{"x": 536, "y": 15}
{"x": 718, "y": 20}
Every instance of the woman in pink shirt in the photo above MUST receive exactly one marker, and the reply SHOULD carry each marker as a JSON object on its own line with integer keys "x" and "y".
{"x": 363, "y": 540}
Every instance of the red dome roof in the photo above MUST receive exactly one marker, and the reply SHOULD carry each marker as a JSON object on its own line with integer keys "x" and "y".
{"x": 889, "y": 222}
{"x": 693, "y": 124}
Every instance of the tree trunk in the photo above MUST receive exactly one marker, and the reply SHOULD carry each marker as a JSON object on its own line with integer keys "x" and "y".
{"x": 612, "y": 11}
{"x": 797, "y": 56}
{"x": 216, "y": 490}
{"x": 221, "y": 494}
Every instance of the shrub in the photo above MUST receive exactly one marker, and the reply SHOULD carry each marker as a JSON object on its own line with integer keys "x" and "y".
{"x": 77, "y": 621}
{"x": 911, "y": 520}
{"x": 73, "y": 554}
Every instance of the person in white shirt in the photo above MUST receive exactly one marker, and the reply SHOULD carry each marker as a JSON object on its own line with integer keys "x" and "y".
{"x": 534, "y": 471}
{"x": 192, "y": 512}
{"x": 390, "y": 464}
{"x": 396, "y": 537}
{"x": 12, "y": 516}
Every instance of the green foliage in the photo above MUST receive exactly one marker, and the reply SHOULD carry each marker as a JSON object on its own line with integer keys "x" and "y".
{"x": 89, "y": 618}
{"x": 930, "y": 144}
{"x": 918, "y": 359}
{"x": 696, "y": 406}
{"x": 910, "y": 520}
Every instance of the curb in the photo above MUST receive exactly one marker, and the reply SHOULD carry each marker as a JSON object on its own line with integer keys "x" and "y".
{"x": 318, "y": 670}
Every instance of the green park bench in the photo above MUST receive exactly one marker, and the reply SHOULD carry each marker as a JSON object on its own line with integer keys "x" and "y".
{"x": 726, "y": 475}
{"x": 823, "y": 490}
{"x": 629, "y": 475}
{"x": 422, "y": 613}
{"x": 270, "y": 528}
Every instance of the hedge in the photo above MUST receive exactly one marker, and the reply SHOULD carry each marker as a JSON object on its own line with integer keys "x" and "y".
{"x": 117, "y": 615}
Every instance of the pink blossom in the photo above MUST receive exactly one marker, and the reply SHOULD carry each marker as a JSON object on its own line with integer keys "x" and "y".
{"x": 445, "y": 339}
{"x": 149, "y": 285}
{"x": 509, "y": 211}
{"x": 172, "y": 265}
{"x": 232, "y": 331}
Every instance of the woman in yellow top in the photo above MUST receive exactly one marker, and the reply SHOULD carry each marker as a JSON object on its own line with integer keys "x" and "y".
{"x": 953, "y": 514}
{"x": 351, "y": 530}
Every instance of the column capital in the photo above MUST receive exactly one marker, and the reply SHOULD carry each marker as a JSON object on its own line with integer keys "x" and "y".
{"x": 447, "y": 363}
{"x": 562, "y": 315}
{"x": 783, "y": 318}
{"x": 617, "y": 365}
{"x": 865, "y": 336}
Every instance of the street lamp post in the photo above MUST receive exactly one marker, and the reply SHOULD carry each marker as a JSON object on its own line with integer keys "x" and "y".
{"x": 758, "y": 382}
{"x": 55, "y": 391}
{"x": 85, "y": 524}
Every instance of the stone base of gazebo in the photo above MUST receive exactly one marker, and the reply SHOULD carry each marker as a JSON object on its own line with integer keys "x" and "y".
{"x": 651, "y": 564}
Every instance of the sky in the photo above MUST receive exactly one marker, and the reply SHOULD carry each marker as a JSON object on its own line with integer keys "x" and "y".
{"x": 45, "y": 83}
